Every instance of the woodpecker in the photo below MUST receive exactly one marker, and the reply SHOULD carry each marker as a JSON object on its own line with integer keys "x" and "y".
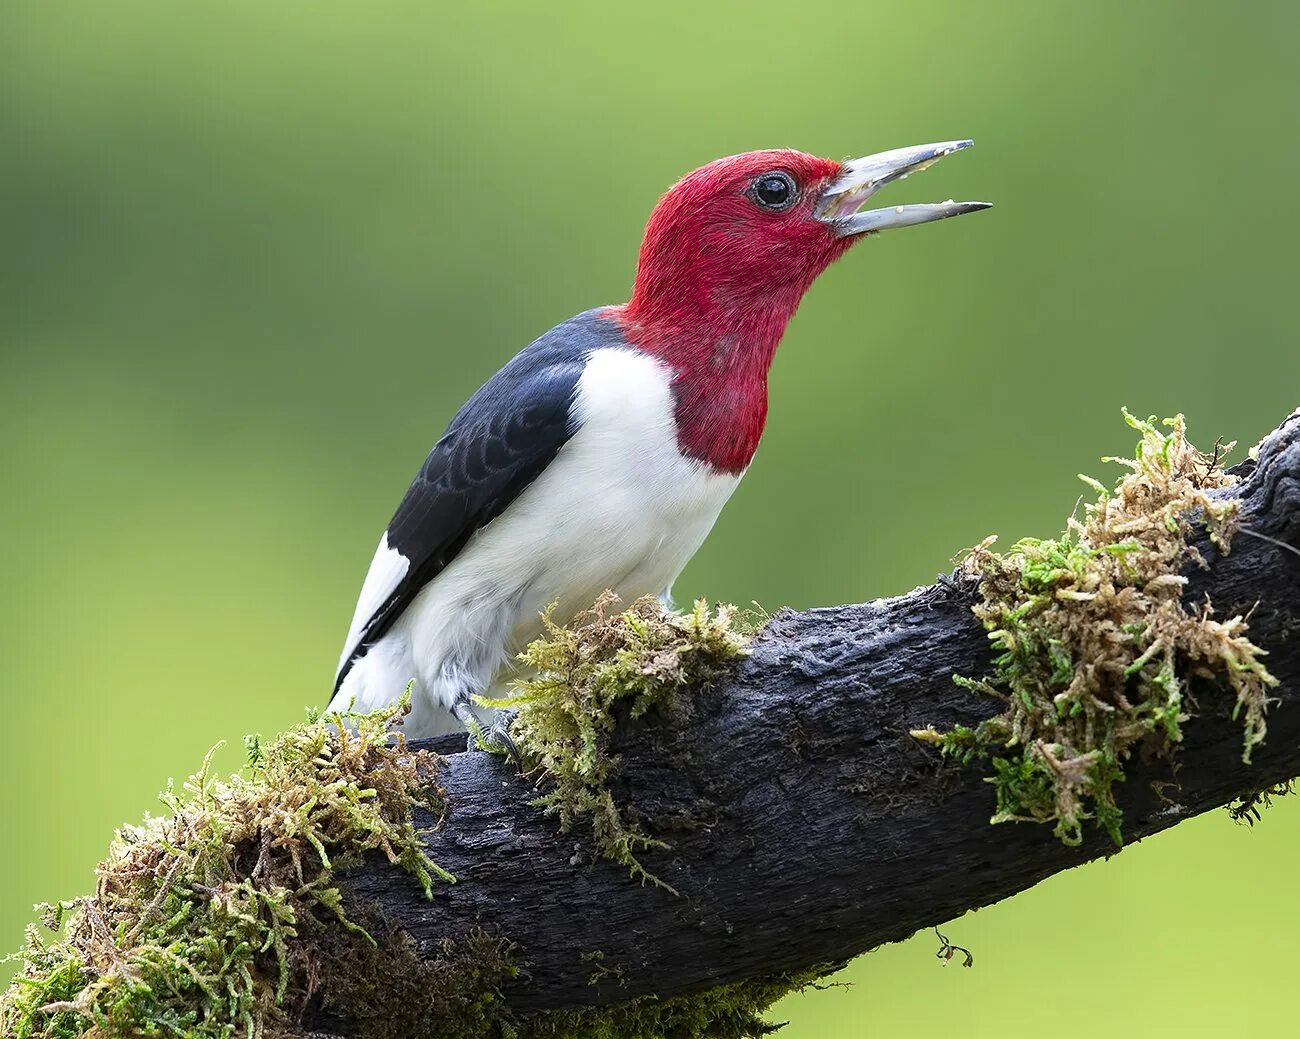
{"x": 600, "y": 456}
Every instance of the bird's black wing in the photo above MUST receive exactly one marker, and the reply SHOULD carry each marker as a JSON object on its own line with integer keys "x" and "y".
{"x": 505, "y": 435}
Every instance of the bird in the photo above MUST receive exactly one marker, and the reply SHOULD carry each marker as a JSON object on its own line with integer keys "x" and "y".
{"x": 598, "y": 458}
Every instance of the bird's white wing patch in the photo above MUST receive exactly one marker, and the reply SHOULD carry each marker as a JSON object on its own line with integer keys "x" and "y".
{"x": 386, "y": 572}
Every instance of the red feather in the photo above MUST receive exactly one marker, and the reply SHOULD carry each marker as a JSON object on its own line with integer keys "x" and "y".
{"x": 718, "y": 279}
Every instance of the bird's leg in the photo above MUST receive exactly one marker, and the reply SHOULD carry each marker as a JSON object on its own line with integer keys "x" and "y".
{"x": 463, "y": 708}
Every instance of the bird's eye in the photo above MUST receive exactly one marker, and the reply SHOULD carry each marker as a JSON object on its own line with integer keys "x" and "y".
{"x": 774, "y": 190}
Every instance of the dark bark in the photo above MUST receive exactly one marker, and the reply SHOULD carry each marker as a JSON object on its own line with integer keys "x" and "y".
{"x": 806, "y": 825}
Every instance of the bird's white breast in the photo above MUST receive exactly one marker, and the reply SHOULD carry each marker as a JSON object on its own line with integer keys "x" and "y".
{"x": 618, "y": 508}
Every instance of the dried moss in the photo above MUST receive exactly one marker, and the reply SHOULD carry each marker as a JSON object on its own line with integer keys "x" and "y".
{"x": 1096, "y": 646}
{"x": 606, "y": 665}
{"x": 210, "y": 922}
{"x": 1249, "y": 806}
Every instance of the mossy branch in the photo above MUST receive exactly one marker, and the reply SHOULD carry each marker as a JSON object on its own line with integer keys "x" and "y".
{"x": 1096, "y": 646}
{"x": 805, "y": 824}
{"x": 790, "y": 817}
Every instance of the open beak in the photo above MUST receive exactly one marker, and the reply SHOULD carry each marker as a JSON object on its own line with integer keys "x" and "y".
{"x": 861, "y": 178}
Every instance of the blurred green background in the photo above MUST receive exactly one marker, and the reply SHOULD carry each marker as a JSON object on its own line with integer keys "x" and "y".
{"x": 256, "y": 254}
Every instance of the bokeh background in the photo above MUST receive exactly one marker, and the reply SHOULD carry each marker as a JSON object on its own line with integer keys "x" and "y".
{"x": 254, "y": 255}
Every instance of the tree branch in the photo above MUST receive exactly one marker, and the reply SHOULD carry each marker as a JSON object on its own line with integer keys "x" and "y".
{"x": 805, "y": 825}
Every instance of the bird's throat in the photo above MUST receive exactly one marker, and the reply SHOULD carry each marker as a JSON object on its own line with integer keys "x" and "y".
{"x": 720, "y": 360}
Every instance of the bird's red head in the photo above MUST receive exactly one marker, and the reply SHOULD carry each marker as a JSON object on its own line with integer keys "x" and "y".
{"x": 732, "y": 234}
{"x": 727, "y": 255}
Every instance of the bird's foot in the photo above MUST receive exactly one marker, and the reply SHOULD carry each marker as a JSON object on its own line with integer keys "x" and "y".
{"x": 496, "y": 738}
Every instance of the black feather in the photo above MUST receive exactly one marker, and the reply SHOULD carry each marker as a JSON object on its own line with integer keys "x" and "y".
{"x": 504, "y": 436}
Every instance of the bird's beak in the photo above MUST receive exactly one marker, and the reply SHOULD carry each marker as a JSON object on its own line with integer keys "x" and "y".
{"x": 859, "y": 179}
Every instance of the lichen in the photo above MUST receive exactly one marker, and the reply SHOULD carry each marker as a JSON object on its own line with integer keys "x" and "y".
{"x": 1096, "y": 647}
{"x": 606, "y": 665}
{"x": 210, "y": 922}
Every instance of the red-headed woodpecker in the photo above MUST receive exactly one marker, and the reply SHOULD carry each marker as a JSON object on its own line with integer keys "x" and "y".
{"x": 600, "y": 456}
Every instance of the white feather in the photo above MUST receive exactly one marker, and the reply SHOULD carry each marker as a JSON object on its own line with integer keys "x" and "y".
{"x": 386, "y": 572}
{"x": 618, "y": 508}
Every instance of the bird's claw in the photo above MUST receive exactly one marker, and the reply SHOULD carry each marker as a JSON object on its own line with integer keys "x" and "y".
{"x": 497, "y": 738}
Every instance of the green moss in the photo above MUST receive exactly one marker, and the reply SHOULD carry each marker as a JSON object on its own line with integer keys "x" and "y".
{"x": 1095, "y": 646}
{"x": 224, "y": 919}
{"x": 457, "y": 995}
{"x": 607, "y": 665}
{"x": 394, "y": 990}
{"x": 733, "y": 1011}
{"x": 211, "y": 921}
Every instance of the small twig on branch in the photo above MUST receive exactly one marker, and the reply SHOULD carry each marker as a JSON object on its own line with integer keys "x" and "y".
{"x": 947, "y": 951}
